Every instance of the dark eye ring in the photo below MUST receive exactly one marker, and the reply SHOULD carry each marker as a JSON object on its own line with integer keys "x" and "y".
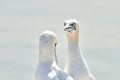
{"x": 64, "y": 24}
{"x": 73, "y": 24}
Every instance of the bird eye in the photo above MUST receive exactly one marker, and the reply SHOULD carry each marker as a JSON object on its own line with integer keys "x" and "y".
{"x": 64, "y": 24}
{"x": 73, "y": 24}
{"x": 55, "y": 44}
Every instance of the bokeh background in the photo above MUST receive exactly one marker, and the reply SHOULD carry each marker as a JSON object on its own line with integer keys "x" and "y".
{"x": 21, "y": 22}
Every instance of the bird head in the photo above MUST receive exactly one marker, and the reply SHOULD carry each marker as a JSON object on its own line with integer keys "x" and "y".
{"x": 71, "y": 25}
{"x": 48, "y": 38}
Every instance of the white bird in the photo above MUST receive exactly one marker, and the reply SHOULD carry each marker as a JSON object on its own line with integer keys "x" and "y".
{"x": 76, "y": 65}
{"x": 60, "y": 73}
{"x": 47, "y": 68}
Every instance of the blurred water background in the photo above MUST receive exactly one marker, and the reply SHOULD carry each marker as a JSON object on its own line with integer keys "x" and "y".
{"x": 21, "y": 22}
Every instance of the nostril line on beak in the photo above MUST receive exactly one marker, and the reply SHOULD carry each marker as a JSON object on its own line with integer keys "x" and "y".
{"x": 68, "y": 28}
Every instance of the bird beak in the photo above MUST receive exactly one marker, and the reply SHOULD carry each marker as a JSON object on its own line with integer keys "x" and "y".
{"x": 69, "y": 28}
{"x": 55, "y": 54}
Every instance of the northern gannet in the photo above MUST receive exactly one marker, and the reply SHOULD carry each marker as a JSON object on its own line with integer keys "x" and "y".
{"x": 76, "y": 65}
{"x": 48, "y": 68}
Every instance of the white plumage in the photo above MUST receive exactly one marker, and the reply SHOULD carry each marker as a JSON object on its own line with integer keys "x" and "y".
{"x": 76, "y": 65}
{"x": 47, "y": 68}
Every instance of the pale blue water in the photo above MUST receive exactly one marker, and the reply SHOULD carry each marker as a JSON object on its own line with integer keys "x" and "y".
{"x": 22, "y": 21}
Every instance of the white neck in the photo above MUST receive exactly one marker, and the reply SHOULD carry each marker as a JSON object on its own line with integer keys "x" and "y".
{"x": 46, "y": 54}
{"x": 73, "y": 44}
{"x": 44, "y": 64}
{"x": 75, "y": 64}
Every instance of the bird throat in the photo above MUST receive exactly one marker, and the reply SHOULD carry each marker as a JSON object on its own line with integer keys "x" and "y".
{"x": 73, "y": 38}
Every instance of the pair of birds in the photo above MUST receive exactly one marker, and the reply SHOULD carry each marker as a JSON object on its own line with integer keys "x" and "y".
{"x": 75, "y": 68}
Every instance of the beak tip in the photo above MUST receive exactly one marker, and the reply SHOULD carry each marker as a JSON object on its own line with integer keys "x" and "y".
{"x": 65, "y": 29}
